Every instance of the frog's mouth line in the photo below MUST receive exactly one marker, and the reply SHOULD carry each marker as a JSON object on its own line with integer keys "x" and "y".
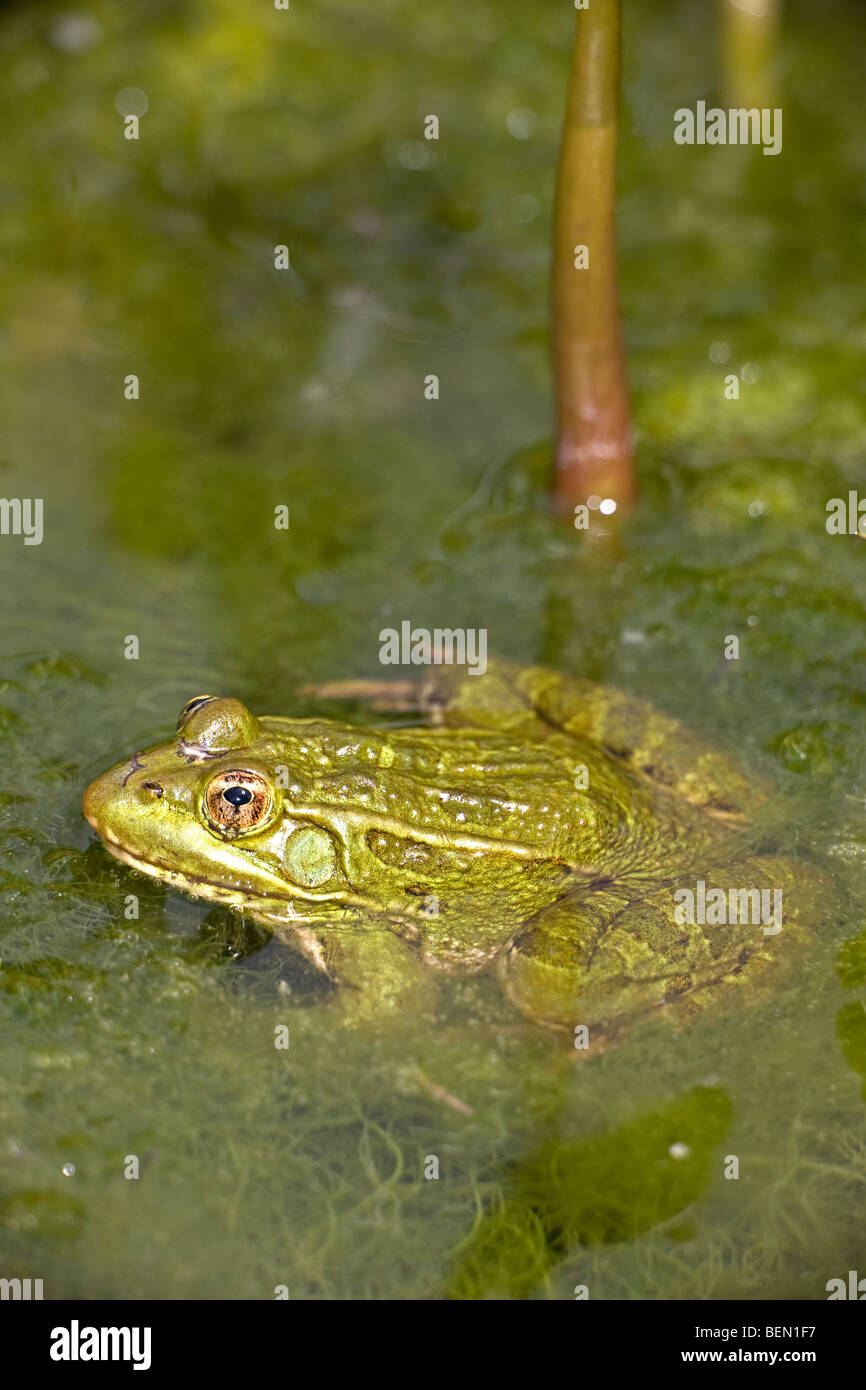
{"x": 198, "y": 887}
{"x": 228, "y": 897}
{"x": 195, "y": 885}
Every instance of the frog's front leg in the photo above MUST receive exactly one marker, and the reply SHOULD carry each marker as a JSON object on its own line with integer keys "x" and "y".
{"x": 376, "y": 972}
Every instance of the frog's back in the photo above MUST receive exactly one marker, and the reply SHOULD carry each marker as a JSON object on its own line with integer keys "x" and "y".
{"x": 550, "y": 797}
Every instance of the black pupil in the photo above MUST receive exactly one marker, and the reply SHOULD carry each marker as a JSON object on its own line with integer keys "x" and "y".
{"x": 237, "y": 796}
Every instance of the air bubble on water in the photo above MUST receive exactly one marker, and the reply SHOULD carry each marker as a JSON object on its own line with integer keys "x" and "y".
{"x": 74, "y": 33}
{"x": 593, "y": 502}
{"x": 68, "y": 1170}
{"x": 719, "y": 352}
{"x": 750, "y": 372}
{"x": 607, "y": 507}
{"x": 526, "y": 207}
{"x": 415, "y": 154}
{"x": 752, "y": 620}
{"x": 757, "y": 508}
{"x": 522, "y": 123}
{"x": 131, "y": 101}
{"x": 348, "y": 297}
{"x": 756, "y": 8}
{"x": 679, "y": 1150}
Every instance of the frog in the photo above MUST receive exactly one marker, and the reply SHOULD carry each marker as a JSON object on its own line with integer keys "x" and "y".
{"x": 525, "y": 823}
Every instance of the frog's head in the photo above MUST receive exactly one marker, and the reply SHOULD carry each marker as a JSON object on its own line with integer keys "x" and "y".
{"x": 205, "y": 814}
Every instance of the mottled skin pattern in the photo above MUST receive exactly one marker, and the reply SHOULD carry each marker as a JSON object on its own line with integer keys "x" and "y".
{"x": 533, "y": 823}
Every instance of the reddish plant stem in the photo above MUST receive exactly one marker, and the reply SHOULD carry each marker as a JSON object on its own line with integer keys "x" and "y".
{"x": 593, "y": 444}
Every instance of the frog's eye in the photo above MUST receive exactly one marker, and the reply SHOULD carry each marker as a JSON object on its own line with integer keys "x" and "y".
{"x": 191, "y": 705}
{"x": 236, "y": 802}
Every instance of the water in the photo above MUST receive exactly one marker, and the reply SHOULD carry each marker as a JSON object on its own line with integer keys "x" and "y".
{"x": 154, "y": 1038}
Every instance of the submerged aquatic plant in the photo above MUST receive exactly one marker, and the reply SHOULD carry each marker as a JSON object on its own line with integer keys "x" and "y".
{"x": 597, "y": 1191}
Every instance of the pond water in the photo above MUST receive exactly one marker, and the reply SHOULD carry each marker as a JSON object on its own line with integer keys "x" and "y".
{"x": 305, "y": 1168}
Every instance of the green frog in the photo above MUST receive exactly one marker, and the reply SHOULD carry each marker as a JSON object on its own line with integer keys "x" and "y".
{"x": 524, "y": 822}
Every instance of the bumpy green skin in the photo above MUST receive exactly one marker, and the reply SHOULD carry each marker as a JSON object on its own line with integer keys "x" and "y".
{"x": 533, "y": 822}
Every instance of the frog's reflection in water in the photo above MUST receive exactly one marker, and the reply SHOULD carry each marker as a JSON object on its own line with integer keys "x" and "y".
{"x": 264, "y": 960}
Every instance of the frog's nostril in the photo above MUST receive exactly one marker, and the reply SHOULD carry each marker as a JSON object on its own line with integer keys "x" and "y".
{"x": 154, "y": 788}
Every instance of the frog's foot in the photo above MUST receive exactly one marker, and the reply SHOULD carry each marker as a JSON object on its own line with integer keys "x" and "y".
{"x": 650, "y": 742}
{"x": 398, "y": 696}
{"x": 377, "y": 974}
{"x": 602, "y": 957}
{"x": 445, "y": 693}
